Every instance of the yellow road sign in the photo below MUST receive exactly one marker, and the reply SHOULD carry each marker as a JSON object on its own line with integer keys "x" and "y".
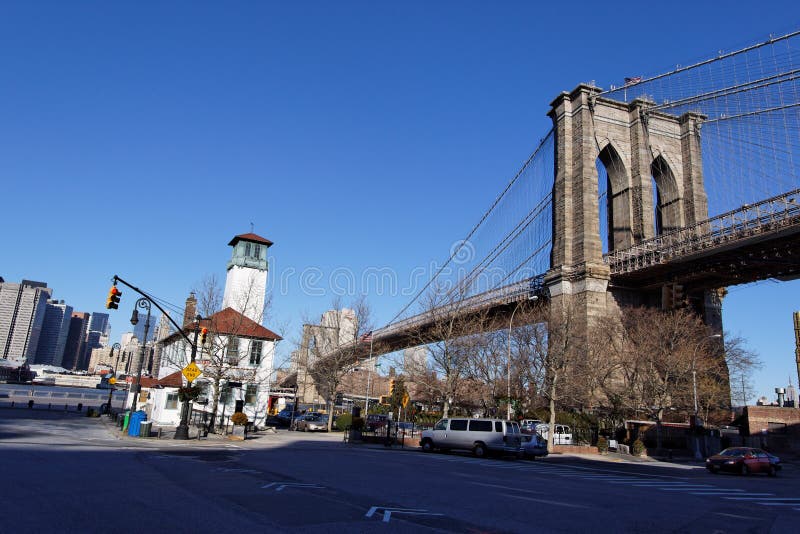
{"x": 191, "y": 372}
{"x": 112, "y": 380}
{"x": 405, "y": 399}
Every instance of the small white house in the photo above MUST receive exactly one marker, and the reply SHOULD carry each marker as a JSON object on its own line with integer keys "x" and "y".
{"x": 238, "y": 351}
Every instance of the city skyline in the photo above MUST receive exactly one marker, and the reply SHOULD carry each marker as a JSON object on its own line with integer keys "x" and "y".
{"x": 362, "y": 140}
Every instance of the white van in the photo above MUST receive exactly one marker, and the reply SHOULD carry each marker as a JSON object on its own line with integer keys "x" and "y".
{"x": 563, "y": 433}
{"x": 481, "y": 436}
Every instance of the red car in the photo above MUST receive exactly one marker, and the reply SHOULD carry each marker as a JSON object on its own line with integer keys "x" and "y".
{"x": 744, "y": 460}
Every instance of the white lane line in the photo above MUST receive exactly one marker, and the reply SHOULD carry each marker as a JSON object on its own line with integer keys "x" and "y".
{"x": 684, "y": 488}
{"x": 776, "y": 503}
{"x": 722, "y": 493}
{"x": 655, "y": 483}
{"x": 544, "y": 501}
{"x": 505, "y": 487}
{"x": 734, "y": 516}
{"x": 765, "y": 498}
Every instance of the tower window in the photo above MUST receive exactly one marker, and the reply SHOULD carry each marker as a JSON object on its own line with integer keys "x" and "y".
{"x": 247, "y": 249}
{"x": 257, "y": 253}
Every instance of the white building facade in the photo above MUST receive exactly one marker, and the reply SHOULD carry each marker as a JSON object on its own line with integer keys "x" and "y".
{"x": 238, "y": 356}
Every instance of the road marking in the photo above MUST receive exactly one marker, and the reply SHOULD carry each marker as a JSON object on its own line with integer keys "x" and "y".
{"x": 387, "y": 512}
{"x": 504, "y": 487}
{"x": 686, "y": 487}
{"x": 234, "y": 470}
{"x": 764, "y": 498}
{"x": 545, "y": 501}
{"x": 734, "y": 516}
{"x": 280, "y": 486}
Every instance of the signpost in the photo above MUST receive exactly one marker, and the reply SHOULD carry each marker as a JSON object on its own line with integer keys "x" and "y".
{"x": 191, "y": 372}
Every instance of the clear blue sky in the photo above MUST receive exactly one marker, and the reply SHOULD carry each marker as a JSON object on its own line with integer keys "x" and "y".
{"x": 137, "y": 138}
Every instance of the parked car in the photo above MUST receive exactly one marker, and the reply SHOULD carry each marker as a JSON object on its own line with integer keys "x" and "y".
{"x": 311, "y": 423}
{"x": 406, "y": 427}
{"x": 528, "y": 426}
{"x": 534, "y": 446}
{"x": 481, "y": 436}
{"x": 563, "y": 435}
{"x": 744, "y": 460}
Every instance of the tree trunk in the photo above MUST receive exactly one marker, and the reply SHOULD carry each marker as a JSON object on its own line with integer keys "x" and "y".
{"x": 214, "y": 405}
{"x": 551, "y": 433}
{"x": 330, "y": 416}
{"x": 659, "y": 415}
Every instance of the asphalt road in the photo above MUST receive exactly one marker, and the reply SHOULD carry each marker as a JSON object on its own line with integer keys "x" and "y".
{"x": 66, "y": 473}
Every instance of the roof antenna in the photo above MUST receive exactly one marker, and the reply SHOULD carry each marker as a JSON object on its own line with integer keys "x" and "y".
{"x": 251, "y": 227}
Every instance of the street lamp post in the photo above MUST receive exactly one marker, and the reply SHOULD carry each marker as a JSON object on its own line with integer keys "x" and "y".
{"x": 114, "y": 374}
{"x": 182, "y": 431}
{"x": 144, "y": 304}
{"x": 369, "y": 377}
{"x": 702, "y": 342}
{"x": 508, "y": 363}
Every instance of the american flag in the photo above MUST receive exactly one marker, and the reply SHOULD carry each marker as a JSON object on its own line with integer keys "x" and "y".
{"x": 633, "y": 80}
{"x": 366, "y": 338}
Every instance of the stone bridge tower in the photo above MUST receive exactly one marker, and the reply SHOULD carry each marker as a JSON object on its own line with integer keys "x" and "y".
{"x": 641, "y": 149}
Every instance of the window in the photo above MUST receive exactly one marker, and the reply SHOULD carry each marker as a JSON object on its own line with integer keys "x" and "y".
{"x": 247, "y": 249}
{"x": 255, "y": 352}
{"x": 172, "y": 401}
{"x": 458, "y": 424}
{"x": 441, "y": 425}
{"x": 233, "y": 350}
{"x": 498, "y": 426}
{"x": 250, "y": 394}
{"x": 257, "y": 252}
{"x": 480, "y": 426}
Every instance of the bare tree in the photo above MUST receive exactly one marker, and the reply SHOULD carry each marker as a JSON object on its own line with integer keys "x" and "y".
{"x": 565, "y": 346}
{"x": 445, "y": 335}
{"x": 666, "y": 362}
{"x": 331, "y": 348}
{"x": 741, "y": 364}
{"x": 234, "y": 351}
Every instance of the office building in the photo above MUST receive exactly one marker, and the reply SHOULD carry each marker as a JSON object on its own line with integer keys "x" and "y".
{"x": 53, "y": 338}
{"x": 75, "y": 345}
{"x": 22, "y": 311}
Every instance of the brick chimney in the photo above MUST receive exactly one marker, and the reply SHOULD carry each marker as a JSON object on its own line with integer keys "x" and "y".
{"x": 190, "y": 310}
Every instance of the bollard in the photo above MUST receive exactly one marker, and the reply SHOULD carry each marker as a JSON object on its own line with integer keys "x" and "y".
{"x": 80, "y": 406}
{"x": 12, "y": 404}
{"x": 30, "y": 403}
{"x": 49, "y": 405}
{"x": 159, "y": 432}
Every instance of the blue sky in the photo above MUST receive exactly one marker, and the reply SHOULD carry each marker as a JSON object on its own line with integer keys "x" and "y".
{"x": 137, "y": 138}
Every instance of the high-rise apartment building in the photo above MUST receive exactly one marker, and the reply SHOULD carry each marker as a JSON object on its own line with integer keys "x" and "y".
{"x": 22, "y": 311}
{"x": 53, "y": 338}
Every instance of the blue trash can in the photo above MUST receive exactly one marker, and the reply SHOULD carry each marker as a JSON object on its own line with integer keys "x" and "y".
{"x": 135, "y": 423}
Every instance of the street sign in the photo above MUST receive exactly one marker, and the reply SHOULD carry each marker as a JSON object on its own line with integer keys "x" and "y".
{"x": 405, "y": 399}
{"x": 191, "y": 372}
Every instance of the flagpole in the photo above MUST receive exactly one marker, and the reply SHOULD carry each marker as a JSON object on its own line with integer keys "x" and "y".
{"x": 369, "y": 376}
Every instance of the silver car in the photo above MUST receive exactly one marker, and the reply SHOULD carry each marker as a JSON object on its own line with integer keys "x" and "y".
{"x": 312, "y": 423}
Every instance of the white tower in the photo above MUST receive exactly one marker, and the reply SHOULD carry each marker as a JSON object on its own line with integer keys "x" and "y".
{"x": 246, "y": 282}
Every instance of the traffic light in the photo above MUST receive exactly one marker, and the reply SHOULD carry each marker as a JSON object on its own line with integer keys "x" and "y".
{"x": 112, "y": 303}
{"x": 203, "y": 335}
{"x": 391, "y": 386}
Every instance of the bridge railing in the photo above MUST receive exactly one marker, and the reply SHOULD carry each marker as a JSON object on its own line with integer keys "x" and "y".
{"x": 503, "y": 295}
{"x": 768, "y": 216}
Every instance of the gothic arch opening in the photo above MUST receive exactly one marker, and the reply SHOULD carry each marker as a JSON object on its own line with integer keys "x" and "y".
{"x": 613, "y": 201}
{"x": 666, "y": 197}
